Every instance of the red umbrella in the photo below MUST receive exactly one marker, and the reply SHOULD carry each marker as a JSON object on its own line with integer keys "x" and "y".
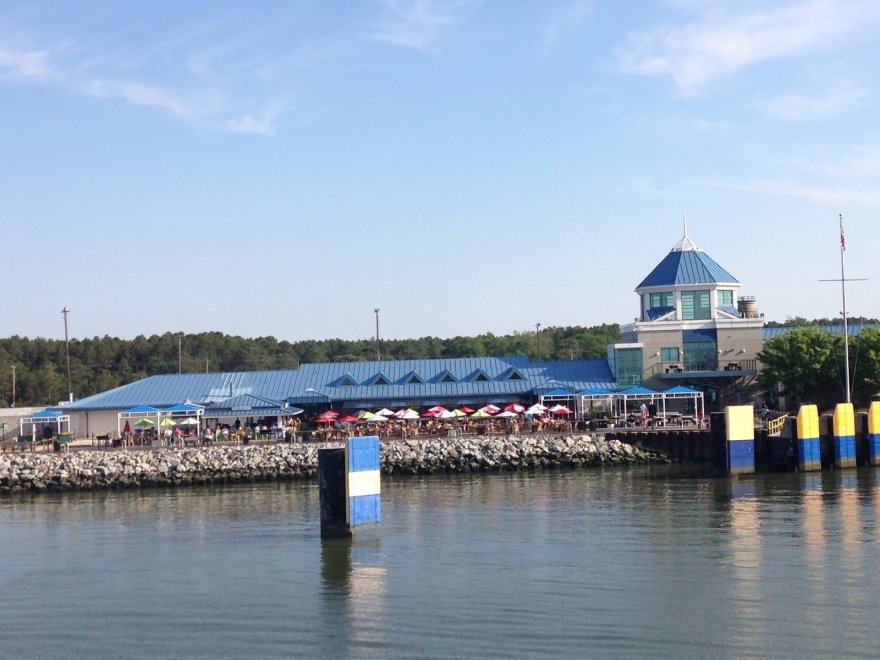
{"x": 465, "y": 409}
{"x": 127, "y": 427}
{"x": 514, "y": 408}
{"x": 348, "y": 418}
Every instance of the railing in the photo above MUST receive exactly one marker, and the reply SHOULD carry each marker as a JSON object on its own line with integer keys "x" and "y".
{"x": 679, "y": 367}
{"x": 774, "y": 426}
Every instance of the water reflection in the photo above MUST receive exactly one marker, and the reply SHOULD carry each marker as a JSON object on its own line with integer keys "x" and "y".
{"x": 355, "y": 594}
{"x": 631, "y": 562}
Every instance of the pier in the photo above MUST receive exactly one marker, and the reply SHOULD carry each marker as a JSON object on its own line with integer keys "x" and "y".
{"x": 803, "y": 442}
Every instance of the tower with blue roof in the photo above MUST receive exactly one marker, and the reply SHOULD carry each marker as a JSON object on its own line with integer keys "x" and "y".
{"x": 693, "y": 327}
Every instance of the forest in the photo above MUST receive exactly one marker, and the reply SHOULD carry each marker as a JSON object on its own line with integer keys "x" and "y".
{"x": 38, "y": 367}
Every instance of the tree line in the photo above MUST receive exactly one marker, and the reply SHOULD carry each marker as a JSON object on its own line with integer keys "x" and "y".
{"x": 103, "y": 363}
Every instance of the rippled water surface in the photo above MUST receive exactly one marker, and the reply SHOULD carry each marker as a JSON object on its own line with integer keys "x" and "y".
{"x": 627, "y": 563}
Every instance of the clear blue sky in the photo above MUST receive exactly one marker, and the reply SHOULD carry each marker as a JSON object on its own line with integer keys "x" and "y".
{"x": 283, "y": 168}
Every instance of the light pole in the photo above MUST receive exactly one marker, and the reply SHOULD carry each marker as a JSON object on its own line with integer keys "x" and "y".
{"x": 538, "y": 341}
{"x": 13, "y": 386}
{"x": 378, "y": 354}
{"x": 65, "y": 312}
{"x": 179, "y": 354}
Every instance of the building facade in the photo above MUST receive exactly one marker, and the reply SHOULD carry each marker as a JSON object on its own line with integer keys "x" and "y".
{"x": 693, "y": 328}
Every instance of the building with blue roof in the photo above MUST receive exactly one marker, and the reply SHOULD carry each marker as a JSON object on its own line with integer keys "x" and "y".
{"x": 693, "y": 327}
{"x": 347, "y": 386}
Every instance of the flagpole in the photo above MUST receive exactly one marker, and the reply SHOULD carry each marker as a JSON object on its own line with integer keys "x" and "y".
{"x": 845, "y": 325}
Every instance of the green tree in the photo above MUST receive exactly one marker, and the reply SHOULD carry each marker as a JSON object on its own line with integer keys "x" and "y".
{"x": 865, "y": 353}
{"x": 804, "y": 362}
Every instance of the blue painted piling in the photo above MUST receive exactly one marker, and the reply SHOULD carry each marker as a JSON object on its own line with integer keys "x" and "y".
{"x": 349, "y": 486}
{"x": 808, "y": 447}
{"x": 740, "y": 427}
{"x": 362, "y": 482}
{"x": 874, "y": 433}
{"x": 844, "y": 431}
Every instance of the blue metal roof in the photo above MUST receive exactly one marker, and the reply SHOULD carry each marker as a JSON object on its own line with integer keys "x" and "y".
{"x": 733, "y": 311}
{"x": 638, "y": 390}
{"x": 687, "y": 267}
{"x": 836, "y": 329}
{"x": 509, "y": 378}
{"x": 679, "y": 389}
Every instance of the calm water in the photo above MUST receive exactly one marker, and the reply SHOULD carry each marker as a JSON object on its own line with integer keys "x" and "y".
{"x": 626, "y": 563}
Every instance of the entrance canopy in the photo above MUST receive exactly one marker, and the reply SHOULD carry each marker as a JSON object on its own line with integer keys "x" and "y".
{"x": 56, "y": 421}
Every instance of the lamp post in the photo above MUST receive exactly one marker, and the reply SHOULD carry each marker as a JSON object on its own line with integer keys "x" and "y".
{"x": 378, "y": 354}
{"x": 65, "y": 312}
{"x": 537, "y": 341}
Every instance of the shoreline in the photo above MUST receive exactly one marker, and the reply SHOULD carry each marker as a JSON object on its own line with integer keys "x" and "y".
{"x": 86, "y": 470}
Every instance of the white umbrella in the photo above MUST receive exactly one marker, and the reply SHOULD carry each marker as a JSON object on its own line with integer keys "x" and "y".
{"x": 536, "y": 409}
{"x": 189, "y": 421}
{"x": 507, "y": 413}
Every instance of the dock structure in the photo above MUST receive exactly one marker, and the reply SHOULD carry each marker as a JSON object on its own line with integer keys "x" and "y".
{"x": 736, "y": 443}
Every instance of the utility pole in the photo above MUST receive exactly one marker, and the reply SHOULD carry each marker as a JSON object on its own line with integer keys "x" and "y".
{"x": 538, "y": 341}
{"x": 378, "y": 354}
{"x": 179, "y": 355}
{"x": 13, "y": 386}
{"x": 65, "y": 312}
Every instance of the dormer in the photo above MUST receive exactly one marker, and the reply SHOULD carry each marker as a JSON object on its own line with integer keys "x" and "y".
{"x": 478, "y": 376}
{"x": 378, "y": 379}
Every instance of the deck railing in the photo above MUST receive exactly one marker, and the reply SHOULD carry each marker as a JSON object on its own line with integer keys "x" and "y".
{"x": 774, "y": 426}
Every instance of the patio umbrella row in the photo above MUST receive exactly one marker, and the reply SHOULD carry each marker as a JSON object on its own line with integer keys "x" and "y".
{"x": 145, "y": 422}
{"x": 440, "y": 412}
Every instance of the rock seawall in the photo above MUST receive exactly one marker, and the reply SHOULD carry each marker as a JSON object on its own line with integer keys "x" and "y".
{"x": 95, "y": 470}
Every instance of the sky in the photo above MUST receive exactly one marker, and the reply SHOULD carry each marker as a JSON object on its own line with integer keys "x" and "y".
{"x": 284, "y": 168}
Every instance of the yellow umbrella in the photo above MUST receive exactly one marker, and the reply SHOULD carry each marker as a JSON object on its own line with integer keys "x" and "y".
{"x": 167, "y": 421}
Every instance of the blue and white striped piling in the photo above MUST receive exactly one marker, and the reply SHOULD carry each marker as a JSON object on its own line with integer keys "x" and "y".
{"x": 740, "y": 425}
{"x": 349, "y": 486}
{"x": 362, "y": 484}
{"x": 808, "y": 448}
{"x": 874, "y": 433}
{"x": 844, "y": 422}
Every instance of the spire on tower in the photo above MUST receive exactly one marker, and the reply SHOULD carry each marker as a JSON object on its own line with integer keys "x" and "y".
{"x": 685, "y": 244}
